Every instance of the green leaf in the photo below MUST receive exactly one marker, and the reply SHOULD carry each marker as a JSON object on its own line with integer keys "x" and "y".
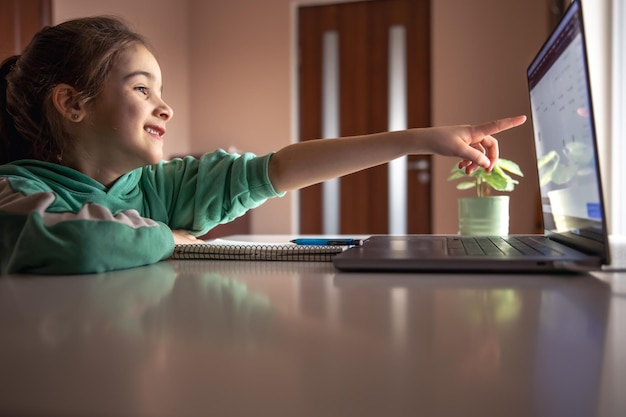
{"x": 497, "y": 182}
{"x": 548, "y": 158}
{"x": 579, "y": 153}
{"x": 497, "y": 179}
{"x": 551, "y": 158}
{"x": 456, "y": 174}
{"x": 563, "y": 174}
{"x": 465, "y": 185}
{"x": 510, "y": 166}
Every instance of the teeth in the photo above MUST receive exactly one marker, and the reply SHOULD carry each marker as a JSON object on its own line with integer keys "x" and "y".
{"x": 152, "y": 131}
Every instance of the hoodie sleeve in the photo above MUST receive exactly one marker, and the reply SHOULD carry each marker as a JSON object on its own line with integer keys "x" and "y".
{"x": 216, "y": 188}
{"x": 36, "y": 239}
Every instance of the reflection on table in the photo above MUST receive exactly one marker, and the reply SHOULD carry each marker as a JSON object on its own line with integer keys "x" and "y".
{"x": 226, "y": 338}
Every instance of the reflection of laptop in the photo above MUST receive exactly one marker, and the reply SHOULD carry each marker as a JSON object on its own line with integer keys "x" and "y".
{"x": 571, "y": 192}
{"x": 561, "y": 324}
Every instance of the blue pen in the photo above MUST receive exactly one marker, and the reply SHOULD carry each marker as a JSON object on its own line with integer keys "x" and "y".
{"x": 327, "y": 242}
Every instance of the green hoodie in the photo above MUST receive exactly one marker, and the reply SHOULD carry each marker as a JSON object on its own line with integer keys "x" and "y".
{"x": 55, "y": 220}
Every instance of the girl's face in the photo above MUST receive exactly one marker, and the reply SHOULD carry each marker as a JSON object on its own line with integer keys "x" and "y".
{"x": 124, "y": 126}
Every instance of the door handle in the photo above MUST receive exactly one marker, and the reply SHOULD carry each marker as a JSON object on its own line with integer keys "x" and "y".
{"x": 422, "y": 166}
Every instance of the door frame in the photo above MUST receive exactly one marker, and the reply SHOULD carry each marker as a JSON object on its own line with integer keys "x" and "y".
{"x": 414, "y": 202}
{"x": 21, "y": 20}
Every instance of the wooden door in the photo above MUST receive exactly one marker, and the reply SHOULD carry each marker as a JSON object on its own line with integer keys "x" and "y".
{"x": 363, "y": 31}
{"x": 19, "y": 21}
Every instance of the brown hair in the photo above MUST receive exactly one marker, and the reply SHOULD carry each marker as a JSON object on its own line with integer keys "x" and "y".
{"x": 79, "y": 53}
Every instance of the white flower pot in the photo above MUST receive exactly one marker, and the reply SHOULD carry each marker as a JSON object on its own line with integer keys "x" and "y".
{"x": 484, "y": 216}
{"x": 572, "y": 203}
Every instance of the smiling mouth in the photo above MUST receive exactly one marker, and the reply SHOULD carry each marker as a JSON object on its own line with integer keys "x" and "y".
{"x": 155, "y": 131}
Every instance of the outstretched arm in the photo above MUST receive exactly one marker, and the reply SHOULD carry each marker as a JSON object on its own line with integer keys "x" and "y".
{"x": 310, "y": 162}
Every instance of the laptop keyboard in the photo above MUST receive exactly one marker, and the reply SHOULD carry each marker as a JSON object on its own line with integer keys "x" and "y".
{"x": 498, "y": 246}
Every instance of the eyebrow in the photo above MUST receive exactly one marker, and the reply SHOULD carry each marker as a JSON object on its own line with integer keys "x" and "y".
{"x": 146, "y": 74}
{"x": 135, "y": 73}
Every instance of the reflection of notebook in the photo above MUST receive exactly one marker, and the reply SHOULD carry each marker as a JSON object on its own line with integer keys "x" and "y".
{"x": 571, "y": 193}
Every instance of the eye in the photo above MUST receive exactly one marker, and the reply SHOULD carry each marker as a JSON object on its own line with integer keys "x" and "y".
{"x": 143, "y": 90}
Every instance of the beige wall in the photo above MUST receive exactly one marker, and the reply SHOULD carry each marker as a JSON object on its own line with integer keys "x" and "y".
{"x": 480, "y": 54}
{"x": 228, "y": 71}
{"x": 241, "y": 89}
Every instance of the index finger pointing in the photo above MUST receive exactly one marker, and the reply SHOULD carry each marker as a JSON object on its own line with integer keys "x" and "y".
{"x": 496, "y": 126}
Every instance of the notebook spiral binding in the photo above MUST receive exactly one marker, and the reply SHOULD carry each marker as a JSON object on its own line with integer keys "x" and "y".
{"x": 301, "y": 253}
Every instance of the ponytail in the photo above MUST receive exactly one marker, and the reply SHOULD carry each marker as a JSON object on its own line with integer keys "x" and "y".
{"x": 12, "y": 145}
{"x": 77, "y": 52}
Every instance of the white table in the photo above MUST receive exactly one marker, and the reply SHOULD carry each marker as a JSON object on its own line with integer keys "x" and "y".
{"x": 227, "y": 338}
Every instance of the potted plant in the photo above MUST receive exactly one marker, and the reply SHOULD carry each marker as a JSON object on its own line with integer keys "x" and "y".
{"x": 486, "y": 214}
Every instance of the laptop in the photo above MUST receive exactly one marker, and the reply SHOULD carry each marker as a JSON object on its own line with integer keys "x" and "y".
{"x": 575, "y": 237}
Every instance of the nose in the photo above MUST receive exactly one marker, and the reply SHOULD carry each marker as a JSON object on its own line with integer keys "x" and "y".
{"x": 164, "y": 111}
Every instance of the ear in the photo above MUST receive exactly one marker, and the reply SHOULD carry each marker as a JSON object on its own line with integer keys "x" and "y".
{"x": 68, "y": 103}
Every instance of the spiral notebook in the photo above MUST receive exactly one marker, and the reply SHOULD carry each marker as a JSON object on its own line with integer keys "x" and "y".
{"x": 221, "y": 249}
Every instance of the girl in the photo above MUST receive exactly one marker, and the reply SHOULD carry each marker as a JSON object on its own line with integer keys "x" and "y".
{"x": 83, "y": 187}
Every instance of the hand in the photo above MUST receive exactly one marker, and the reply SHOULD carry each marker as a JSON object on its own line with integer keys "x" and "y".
{"x": 473, "y": 143}
{"x": 184, "y": 237}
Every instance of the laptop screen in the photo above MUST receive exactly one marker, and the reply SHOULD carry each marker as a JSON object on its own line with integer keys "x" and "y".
{"x": 565, "y": 142}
